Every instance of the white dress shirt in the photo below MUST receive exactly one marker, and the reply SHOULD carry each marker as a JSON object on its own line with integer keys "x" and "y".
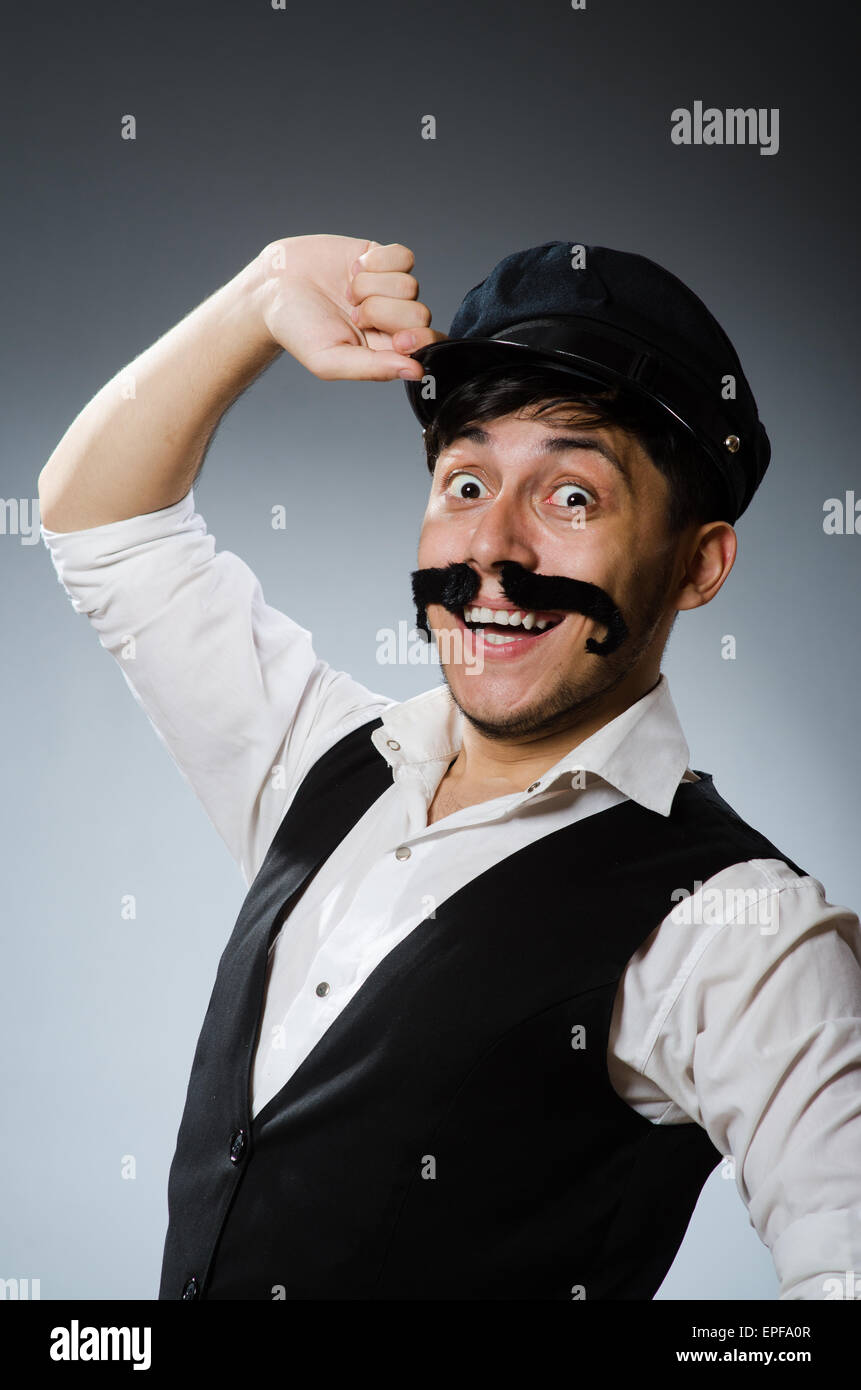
{"x": 744, "y": 1021}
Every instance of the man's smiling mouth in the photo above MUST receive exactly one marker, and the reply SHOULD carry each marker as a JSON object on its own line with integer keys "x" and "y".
{"x": 457, "y": 588}
{"x": 507, "y": 627}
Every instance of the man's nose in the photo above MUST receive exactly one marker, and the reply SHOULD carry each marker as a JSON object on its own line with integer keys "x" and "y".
{"x": 503, "y": 533}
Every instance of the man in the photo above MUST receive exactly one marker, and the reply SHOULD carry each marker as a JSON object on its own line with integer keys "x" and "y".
{"x": 511, "y": 978}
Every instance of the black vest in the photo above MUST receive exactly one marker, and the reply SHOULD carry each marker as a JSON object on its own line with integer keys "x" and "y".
{"x": 454, "y": 1133}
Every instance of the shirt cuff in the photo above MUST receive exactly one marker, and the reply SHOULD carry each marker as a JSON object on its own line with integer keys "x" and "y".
{"x": 127, "y": 531}
{"x": 83, "y": 559}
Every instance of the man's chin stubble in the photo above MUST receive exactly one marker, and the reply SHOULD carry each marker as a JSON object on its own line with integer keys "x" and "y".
{"x": 564, "y": 708}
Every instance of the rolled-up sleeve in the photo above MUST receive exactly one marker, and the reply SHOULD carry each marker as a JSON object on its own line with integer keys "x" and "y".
{"x": 757, "y": 1037}
{"x": 233, "y": 687}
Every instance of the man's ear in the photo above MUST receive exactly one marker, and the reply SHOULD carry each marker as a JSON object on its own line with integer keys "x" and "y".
{"x": 708, "y": 558}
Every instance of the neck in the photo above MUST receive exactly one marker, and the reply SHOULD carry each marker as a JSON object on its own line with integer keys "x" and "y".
{"x": 512, "y": 764}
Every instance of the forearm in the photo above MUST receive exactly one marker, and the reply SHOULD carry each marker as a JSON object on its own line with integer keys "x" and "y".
{"x": 138, "y": 444}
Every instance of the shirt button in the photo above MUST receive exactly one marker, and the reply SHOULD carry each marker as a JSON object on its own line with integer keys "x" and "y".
{"x": 237, "y": 1145}
{"x": 190, "y": 1289}
{"x": 322, "y": 989}
{"x": 392, "y": 743}
{"x": 534, "y": 787}
{"x": 403, "y": 852}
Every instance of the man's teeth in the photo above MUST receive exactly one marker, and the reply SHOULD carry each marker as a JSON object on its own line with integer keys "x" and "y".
{"x": 518, "y": 618}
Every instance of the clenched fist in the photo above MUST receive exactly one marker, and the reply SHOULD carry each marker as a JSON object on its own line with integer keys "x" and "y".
{"x": 345, "y": 307}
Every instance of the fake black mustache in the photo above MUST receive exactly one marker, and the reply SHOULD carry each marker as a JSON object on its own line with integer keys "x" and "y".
{"x": 455, "y": 586}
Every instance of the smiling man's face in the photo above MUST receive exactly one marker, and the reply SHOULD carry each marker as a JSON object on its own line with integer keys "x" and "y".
{"x": 509, "y": 490}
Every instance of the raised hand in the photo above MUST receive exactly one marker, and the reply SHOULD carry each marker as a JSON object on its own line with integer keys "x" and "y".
{"x": 346, "y": 307}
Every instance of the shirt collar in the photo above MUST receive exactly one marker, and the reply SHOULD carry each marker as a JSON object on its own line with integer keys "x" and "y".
{"x": 643, "y": 752}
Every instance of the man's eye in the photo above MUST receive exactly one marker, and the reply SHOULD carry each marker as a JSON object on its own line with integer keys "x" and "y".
{"x": 572, "y": 495}
{"x": 464, "y": 485}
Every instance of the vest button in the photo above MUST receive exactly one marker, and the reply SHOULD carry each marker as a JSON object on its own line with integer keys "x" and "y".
{"x": 403, "y": 852}
{"x": 190, "y": 1289}
{"x": 392, "y": 743}
{"x": 237, "y": 1145}
{"x": 322, "y": 989}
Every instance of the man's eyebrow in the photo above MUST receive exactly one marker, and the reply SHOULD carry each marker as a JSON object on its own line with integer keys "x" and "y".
{"x": 555, "y": 444}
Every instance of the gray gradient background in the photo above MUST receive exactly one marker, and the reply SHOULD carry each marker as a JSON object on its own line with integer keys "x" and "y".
{"x": 254, "y": 124}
